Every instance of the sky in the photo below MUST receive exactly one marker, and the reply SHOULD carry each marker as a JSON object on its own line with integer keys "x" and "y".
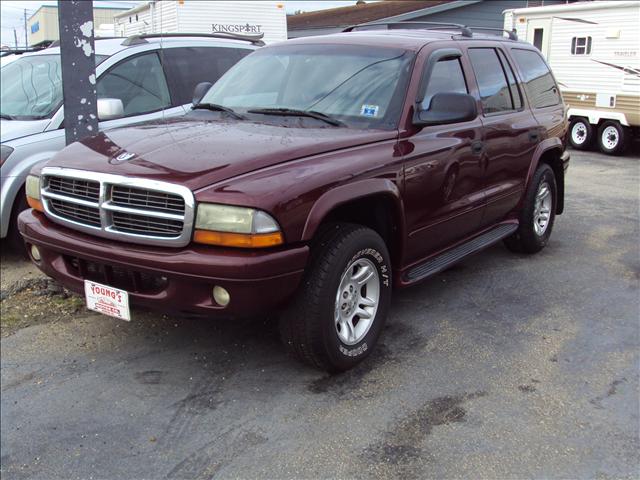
{"x": 12, "y": 11}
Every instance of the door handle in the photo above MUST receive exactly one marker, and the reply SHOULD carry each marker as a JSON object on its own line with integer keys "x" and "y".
{"x": 533, "y": 136}
{"x": 477, "y": 147}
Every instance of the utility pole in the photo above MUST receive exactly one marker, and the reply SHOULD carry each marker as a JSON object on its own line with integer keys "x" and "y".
{"x": 77, "y": 56}
{"x": 26, "y": 42}
{"x": 15, "y": 37}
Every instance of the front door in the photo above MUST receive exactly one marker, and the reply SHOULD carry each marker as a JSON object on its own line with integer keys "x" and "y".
{"x": 443, "y": 173}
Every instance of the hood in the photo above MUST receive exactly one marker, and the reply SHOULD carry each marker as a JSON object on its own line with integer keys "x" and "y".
{"x": 197, "y": 153}
{"x": 12, "y": 129}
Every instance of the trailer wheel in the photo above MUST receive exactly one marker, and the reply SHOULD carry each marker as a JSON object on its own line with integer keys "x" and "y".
{"x": 612, "y": 138}
{"x": 580, "y": 133}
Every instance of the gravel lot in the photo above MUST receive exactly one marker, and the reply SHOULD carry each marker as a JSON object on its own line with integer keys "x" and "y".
{"x": 505, "y": 366}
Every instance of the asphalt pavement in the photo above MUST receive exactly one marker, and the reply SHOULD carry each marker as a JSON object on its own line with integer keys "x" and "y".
{"x": 505, "y": 366}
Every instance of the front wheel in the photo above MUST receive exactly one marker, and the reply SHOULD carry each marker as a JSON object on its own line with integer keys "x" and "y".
{"x": 612, "y": 138}
{"x": 537, "y": 215}
{"x": 338, "y": 314}
{"x": 580, "y": 133}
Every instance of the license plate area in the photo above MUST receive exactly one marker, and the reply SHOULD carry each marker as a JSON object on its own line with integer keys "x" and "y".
{"x": 107, "y": 300}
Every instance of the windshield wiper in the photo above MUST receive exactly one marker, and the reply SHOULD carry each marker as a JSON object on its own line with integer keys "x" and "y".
{"x": 298, "y": 113}
{"x": 4, "y": 116}
{"x": 214, "y": 107}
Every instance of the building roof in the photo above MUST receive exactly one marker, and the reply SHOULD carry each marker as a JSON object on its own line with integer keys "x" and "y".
{"x": 363, "y": 13}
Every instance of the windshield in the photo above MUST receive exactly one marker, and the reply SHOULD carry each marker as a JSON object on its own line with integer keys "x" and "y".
{"x": 31, "y": 87}
{"x": 357, "y": 85}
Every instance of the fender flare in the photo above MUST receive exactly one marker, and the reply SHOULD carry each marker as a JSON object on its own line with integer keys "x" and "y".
{"x": 343, "y": 194}
{"x": 553, "y": 143}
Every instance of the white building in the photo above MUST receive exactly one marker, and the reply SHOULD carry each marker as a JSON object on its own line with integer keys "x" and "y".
{"x": 198, "y": 16}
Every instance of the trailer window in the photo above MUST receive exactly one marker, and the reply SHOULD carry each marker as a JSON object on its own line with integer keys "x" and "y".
{"x": 581, "y": 45}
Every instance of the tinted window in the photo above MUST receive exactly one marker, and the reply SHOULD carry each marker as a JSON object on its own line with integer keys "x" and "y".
{"x": 538, "y": 81}
{"x": 31, "y": 86}
{"x": 516, "y": 98}
{"x": 361, "y": 86}
{"x": 446, "y": 76}
{"x": 139, "y": 82}
{"x": 492, "y": 83}
{"x": 189, "y": 66}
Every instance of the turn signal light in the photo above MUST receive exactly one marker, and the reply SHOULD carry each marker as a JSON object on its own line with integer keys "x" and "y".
{"x": 240, "y": 240}
{"x": 35, "y": 204}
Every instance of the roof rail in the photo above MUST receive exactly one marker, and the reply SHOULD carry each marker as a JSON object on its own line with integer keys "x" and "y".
{"x": 513, "y": 35}
{"x": 138, "y": 39}
{"x": 464, "y": 30}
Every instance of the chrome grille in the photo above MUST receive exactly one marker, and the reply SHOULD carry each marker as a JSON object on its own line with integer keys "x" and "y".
{"x": 140, "y": 224}
{"x": 146, "y": 199}
{"x": 76, "y": 213}
{"x": 74, "y": 187}
{"x": 122, "y": 208}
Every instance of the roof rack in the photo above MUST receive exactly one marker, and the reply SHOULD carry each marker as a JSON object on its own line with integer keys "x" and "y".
{"x": 511, "y": 33}
{"x": 138, "y": 39}
{"x": 465, "y": 31}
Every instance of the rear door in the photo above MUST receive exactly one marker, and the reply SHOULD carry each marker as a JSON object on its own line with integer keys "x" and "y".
{"x": 510, "y": 132}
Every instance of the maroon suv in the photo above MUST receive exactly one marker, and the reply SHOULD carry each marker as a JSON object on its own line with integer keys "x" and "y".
{"x": 311, "y": 179}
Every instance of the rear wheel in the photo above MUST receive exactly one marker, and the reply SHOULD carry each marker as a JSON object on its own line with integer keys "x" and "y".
{"x": 537, "y": 215}
{"x": 612, "y": 138}
{"x": 338, "y": 314}
{"x": 580, "y": 134}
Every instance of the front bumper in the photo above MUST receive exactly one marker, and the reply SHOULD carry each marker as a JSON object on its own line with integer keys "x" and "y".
{"x": 167, "y": 279}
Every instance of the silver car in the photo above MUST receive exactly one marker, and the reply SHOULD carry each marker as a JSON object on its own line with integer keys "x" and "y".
{"x": 139, "y": 79}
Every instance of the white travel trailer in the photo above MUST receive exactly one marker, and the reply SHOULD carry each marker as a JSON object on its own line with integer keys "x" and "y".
{"x": 594, "y": 51}
{"x": 201, "y": 16}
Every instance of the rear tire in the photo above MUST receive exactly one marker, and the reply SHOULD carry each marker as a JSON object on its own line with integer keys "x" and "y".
{"x": 580, "y": 133}
{"x": 338, "y": 313}
{"x": 537, "y": 215}
{"x": 612, "y": 138}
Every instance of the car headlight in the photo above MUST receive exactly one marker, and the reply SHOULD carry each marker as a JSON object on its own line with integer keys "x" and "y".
{"x": 231, "y": 226}
{"x": 5, "y": 151}
{"x": 32, "y": 189}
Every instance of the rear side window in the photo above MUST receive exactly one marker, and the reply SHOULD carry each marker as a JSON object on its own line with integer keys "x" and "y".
{"x": 538, "y": 82}
{"x": 187, "y": 67}
{"x": 513, "y": 85}
{"x": 446, "y": 76}
{"x": 495, "y": 94}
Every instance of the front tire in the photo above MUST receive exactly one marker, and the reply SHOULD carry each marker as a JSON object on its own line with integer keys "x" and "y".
{"x": 580, "y": 133}
{"x": 612, "y": 138}
{"x": 338, "y": 314}
{"x": 14, "y": 240}
{"x": 537, "y": 215}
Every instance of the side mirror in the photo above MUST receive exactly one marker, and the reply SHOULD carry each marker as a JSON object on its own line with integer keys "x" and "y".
{"x": 110, "y": 108}
{"x": 447, "y": 108}
{"x": 199, "y": 92}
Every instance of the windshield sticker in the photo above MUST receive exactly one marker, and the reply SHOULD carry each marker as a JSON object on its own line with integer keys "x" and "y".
{"x": 369, "y": 110}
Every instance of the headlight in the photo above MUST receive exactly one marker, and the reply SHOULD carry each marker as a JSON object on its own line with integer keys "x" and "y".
{"x": 231, "y": 226}
{"x": 32, "y": 189}
{"x": 5, "y": 151}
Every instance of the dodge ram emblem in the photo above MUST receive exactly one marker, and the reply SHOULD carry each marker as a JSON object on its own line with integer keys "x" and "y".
{"x": 123, "y": 157}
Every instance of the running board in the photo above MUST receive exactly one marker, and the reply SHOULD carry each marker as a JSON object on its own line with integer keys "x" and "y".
{"x": 448, "y": 258}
